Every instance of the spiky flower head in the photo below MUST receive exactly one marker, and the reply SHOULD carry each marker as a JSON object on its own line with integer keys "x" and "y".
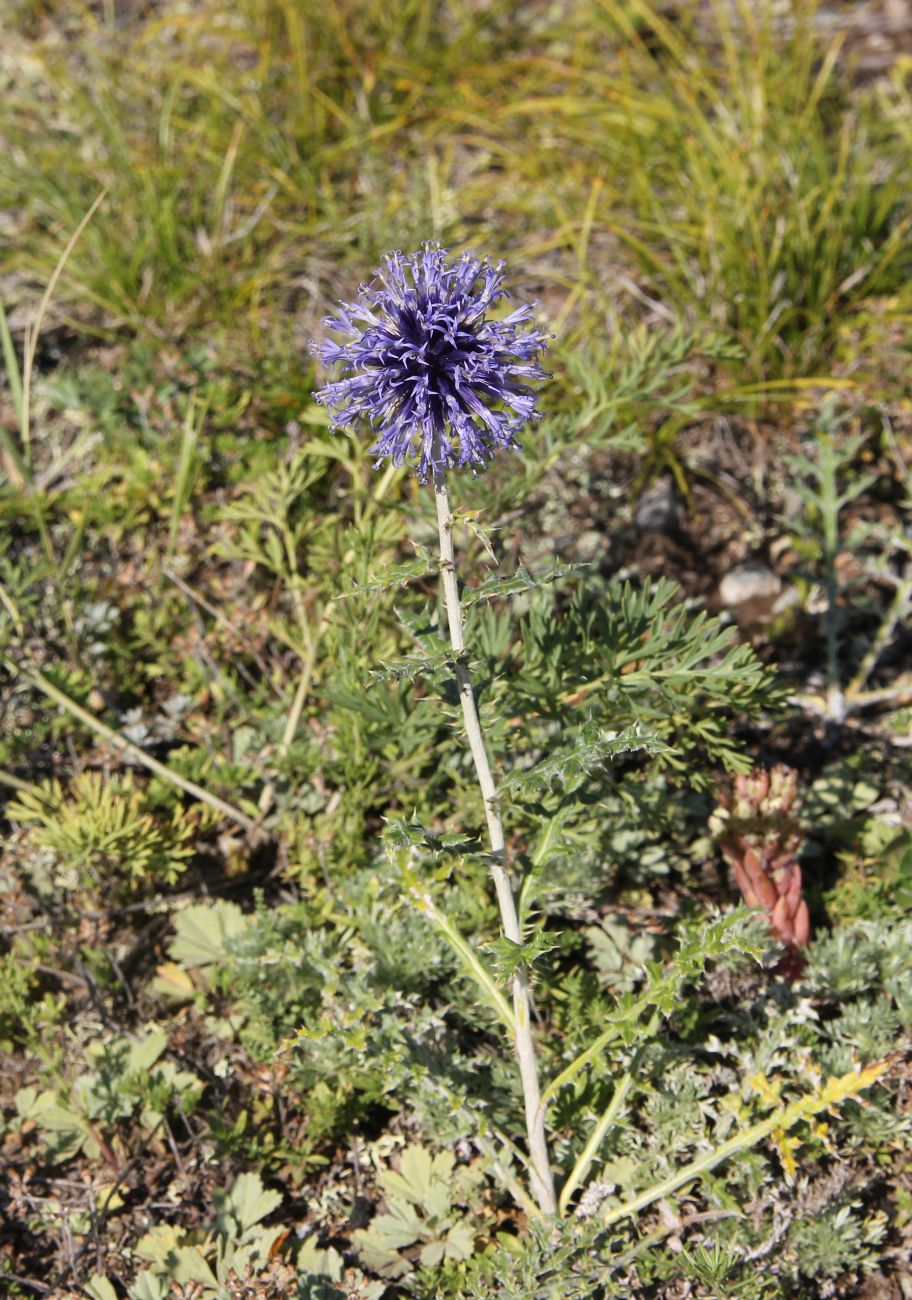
{"x": 440, "y": 383}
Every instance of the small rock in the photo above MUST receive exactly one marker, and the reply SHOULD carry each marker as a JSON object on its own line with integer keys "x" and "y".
{"x": 585, "y": 547}
{"x": 749, "y": 582}
{"x": 588, "y": 545}
{"x": 657, "y": 509}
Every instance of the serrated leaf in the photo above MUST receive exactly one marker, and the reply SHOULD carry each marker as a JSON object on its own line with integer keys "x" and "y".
{"x": 414, "y": 1177}
{"x": 399, "y": 575}
{"x": 431, "y": 1254}
{"x": 247, "y": 1202}
{"x": 142, "y": 1053}
{"x": 460, "y": 1241}
{"x": 66, "y": 1123}
{"x": 509, "y": 956}
{"x": 192, "y": 1266}
{"x": 30, "y": 1103}
{"x": 148, "y": 1286}
{"x": 240, "y": 1257}
{"x": 160, "y": 1243}
{"x": 320, "y": 1262}
{"x": 618, "y": 953}
{"x": 591, "y": 751}
{"x": 418, "y": 1173}
{"x": 379, "y": 1245}
{"x": 172, "y": 981}
{"x": 521, "y": 580}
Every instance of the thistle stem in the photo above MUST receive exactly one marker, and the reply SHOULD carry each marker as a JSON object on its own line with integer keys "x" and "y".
{"x": 542, "y": 1180}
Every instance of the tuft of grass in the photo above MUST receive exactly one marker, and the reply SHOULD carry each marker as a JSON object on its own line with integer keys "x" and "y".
{"x": 248, "y": 150}
{"x": 713, "y": 168}
{"x": 721, "y": 151}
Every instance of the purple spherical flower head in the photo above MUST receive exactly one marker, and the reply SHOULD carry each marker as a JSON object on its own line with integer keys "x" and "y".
{"x": 421, "y": 362}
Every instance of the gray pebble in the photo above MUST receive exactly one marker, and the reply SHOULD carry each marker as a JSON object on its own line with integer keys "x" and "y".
{"x": 751, "y": 581}
{"x": 657, "y": 509}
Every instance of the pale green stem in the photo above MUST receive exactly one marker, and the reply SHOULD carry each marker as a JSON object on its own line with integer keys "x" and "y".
{"x": 597, "y": 1136}
{"x": 782, "y": 1119}
{"x": 16, "y": 783}
{"x": 267, "y": 796}
{"x": 471, "y": 962}
{"x": 542, "y": 1177}
{"x": 899, "y": 608}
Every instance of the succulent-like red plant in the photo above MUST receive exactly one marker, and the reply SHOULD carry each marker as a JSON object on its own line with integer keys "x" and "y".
{"x": 757, "y": 829}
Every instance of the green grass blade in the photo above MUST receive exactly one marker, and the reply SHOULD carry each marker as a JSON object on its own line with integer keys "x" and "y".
{"x": 18, "y": 469}
{"x": 39, "y": 682}
{"x": 597, "y": 1136}
{"x": 11, "y": 361}
{"x": 187, "y": 470}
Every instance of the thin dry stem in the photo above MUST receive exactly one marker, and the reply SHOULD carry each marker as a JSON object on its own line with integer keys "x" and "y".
{"x": 41, "y": 683}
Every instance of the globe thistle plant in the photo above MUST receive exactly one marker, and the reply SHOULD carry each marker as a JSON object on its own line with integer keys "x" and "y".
{"x": 442, "y": 386}
{"x": 440, "y": 383}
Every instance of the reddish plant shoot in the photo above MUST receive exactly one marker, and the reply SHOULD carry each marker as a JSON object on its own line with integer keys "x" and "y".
{"x": 757, "y": 829}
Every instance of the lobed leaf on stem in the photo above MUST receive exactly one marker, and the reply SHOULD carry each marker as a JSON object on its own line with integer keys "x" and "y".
{"x": 591, "y": 750}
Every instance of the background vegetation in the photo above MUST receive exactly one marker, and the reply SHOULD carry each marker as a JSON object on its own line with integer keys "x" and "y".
{"x": 239, "y": 1059}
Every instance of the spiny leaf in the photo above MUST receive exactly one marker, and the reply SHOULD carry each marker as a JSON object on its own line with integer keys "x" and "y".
{"x": 403, "y": 670}
{"x": 521, "y": 580}
{"x": 509, "y": 956}
{"x": 402, "y": 834}
{"x": 399, "y": 575}
{"x": 592, "y": 749}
